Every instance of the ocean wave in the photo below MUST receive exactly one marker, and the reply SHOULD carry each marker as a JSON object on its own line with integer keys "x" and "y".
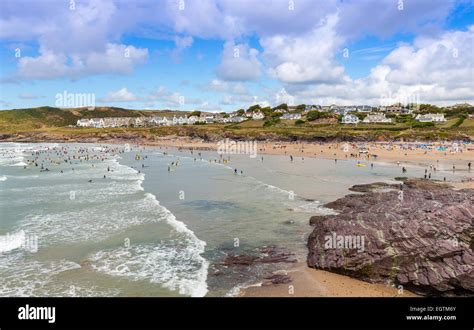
{"x": 314, "y": 208}
{"x": 22, "y": 278}
{"x": 3, "y": 178}
{"x": 12, "y": 241}
{"x": 195, "y": 246}
{"x": 175, "y": 267}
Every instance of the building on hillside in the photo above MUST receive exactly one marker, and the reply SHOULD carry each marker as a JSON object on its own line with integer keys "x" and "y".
{"x": 258, "y": 115}
{"x": 97, "y": 122}
{"x": 363, "y": 108}
{"x": 83, "y": 123}
{"x": 237, "y": 119}
{"x": 431, "y": 118}
{"x": 377, "y": 118}
{"x": 350, "y": 119}
{"x": 291, "y": 116}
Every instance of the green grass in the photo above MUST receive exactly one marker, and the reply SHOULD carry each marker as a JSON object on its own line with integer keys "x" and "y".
{"x": 54, "y": 122}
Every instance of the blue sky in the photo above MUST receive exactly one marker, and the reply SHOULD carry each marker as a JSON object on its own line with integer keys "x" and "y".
{"x": 222, "y": 55}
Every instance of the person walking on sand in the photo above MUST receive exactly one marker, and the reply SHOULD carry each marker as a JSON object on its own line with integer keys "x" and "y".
{"x": 291, "y": 158}
{"x": 469, "y": 166}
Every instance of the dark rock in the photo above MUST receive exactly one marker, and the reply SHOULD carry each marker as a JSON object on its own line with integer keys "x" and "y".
{"x": 264, "y": 255}
{"x": 277, "y": 279}
{"x": 420, "y": 237}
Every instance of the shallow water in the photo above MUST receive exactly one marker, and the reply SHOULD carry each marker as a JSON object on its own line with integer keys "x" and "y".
{"x": 144, "y": 230}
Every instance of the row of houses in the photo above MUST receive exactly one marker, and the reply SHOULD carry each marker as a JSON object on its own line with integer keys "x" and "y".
{"x": 156, "y": 121}
{"x": 380, "y": 118}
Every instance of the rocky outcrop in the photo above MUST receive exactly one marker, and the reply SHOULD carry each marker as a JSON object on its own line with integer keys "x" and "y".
{"x": 418, "y": 235}
{"x": 264, "y": 255}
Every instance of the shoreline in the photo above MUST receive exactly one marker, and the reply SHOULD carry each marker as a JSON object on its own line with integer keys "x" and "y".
{"x": 391, "y": 152}
{"x": 306, "y": 281}
{"x": 311, "y": 282}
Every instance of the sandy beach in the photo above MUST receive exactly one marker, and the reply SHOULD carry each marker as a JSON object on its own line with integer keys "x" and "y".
{"x": 380, "y": 151}
{"x": 309, "y": 282}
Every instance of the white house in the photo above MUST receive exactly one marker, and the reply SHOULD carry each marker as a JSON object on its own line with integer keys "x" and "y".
{"x": 237, "y": 119}
{"x": 431, "y": 117}
{"x": 363, "y": 108}
{"x": 377, "y": 118}
{"x": 97, "y": 122}
{"x": 193, "y": 119}
{"x": 350, "y": 119}
{"x": 258, "y": 115}
{"x": 291, "y": 116}
{"x": 138, "y": 122}
{"x": 84, "y": 123}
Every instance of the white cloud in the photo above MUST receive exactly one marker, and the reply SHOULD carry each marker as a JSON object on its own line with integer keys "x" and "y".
{"x": 172, "y": 99}
{"x": 431, "y": 70}
{"x": 181, "y": 43}
{"x": 116, "y": 58}
{"x": 221, "y": 86}
{"x": 238, "y": 63}
{"x": 308, "y": 58}
{"x": 121, "y": 95}
{"x": 29, "y": 96}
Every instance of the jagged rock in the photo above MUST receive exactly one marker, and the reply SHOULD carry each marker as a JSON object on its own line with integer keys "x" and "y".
{"x": 270, "y": 254}
{"x": 420, "y": 237}
{"x": 277, "y": 279}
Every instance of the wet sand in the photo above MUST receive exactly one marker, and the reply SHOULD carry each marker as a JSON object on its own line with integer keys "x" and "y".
{"x": 309, "y": 282}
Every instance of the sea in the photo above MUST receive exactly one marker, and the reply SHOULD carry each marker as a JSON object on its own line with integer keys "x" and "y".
{"x": 88, "y": 220}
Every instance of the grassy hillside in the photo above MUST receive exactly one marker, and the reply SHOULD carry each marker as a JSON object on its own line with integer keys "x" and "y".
{"x": 20, "y": 120}
{"x": 47, "y": 122}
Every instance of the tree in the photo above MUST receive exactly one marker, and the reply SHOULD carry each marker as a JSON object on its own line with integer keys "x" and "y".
{"x": 195, "y": 113}
{"x": 241, "y": 112}
{"x": 253, "y": 108}
{"x": 313, "y": 115}
{"x": 283, "y": 106}
{"x": 301, "y": 107}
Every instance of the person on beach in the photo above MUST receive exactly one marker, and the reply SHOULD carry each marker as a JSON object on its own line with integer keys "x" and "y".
{"x": 469, "y": 166}
{"x": 235, "y": 171}
{"x": 291, "y": 158}
{"x": 404, "y": 170}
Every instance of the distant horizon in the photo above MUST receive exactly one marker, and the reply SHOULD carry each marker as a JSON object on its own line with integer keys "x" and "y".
{"x": 207, "y": 111}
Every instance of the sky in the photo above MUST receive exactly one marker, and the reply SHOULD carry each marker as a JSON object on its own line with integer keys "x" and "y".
{"x": 223, "y": 55}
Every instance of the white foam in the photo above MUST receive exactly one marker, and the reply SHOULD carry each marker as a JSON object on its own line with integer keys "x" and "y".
{"x": 19, "y": 164}
{"x": 175, "y": 267}
{"x": 29, "y": 278}
{"x": 3, "y": 178}
{"x": 12, "y": 241}
{"x": 314, "y": 208}
{"x": 194, "y": 245}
